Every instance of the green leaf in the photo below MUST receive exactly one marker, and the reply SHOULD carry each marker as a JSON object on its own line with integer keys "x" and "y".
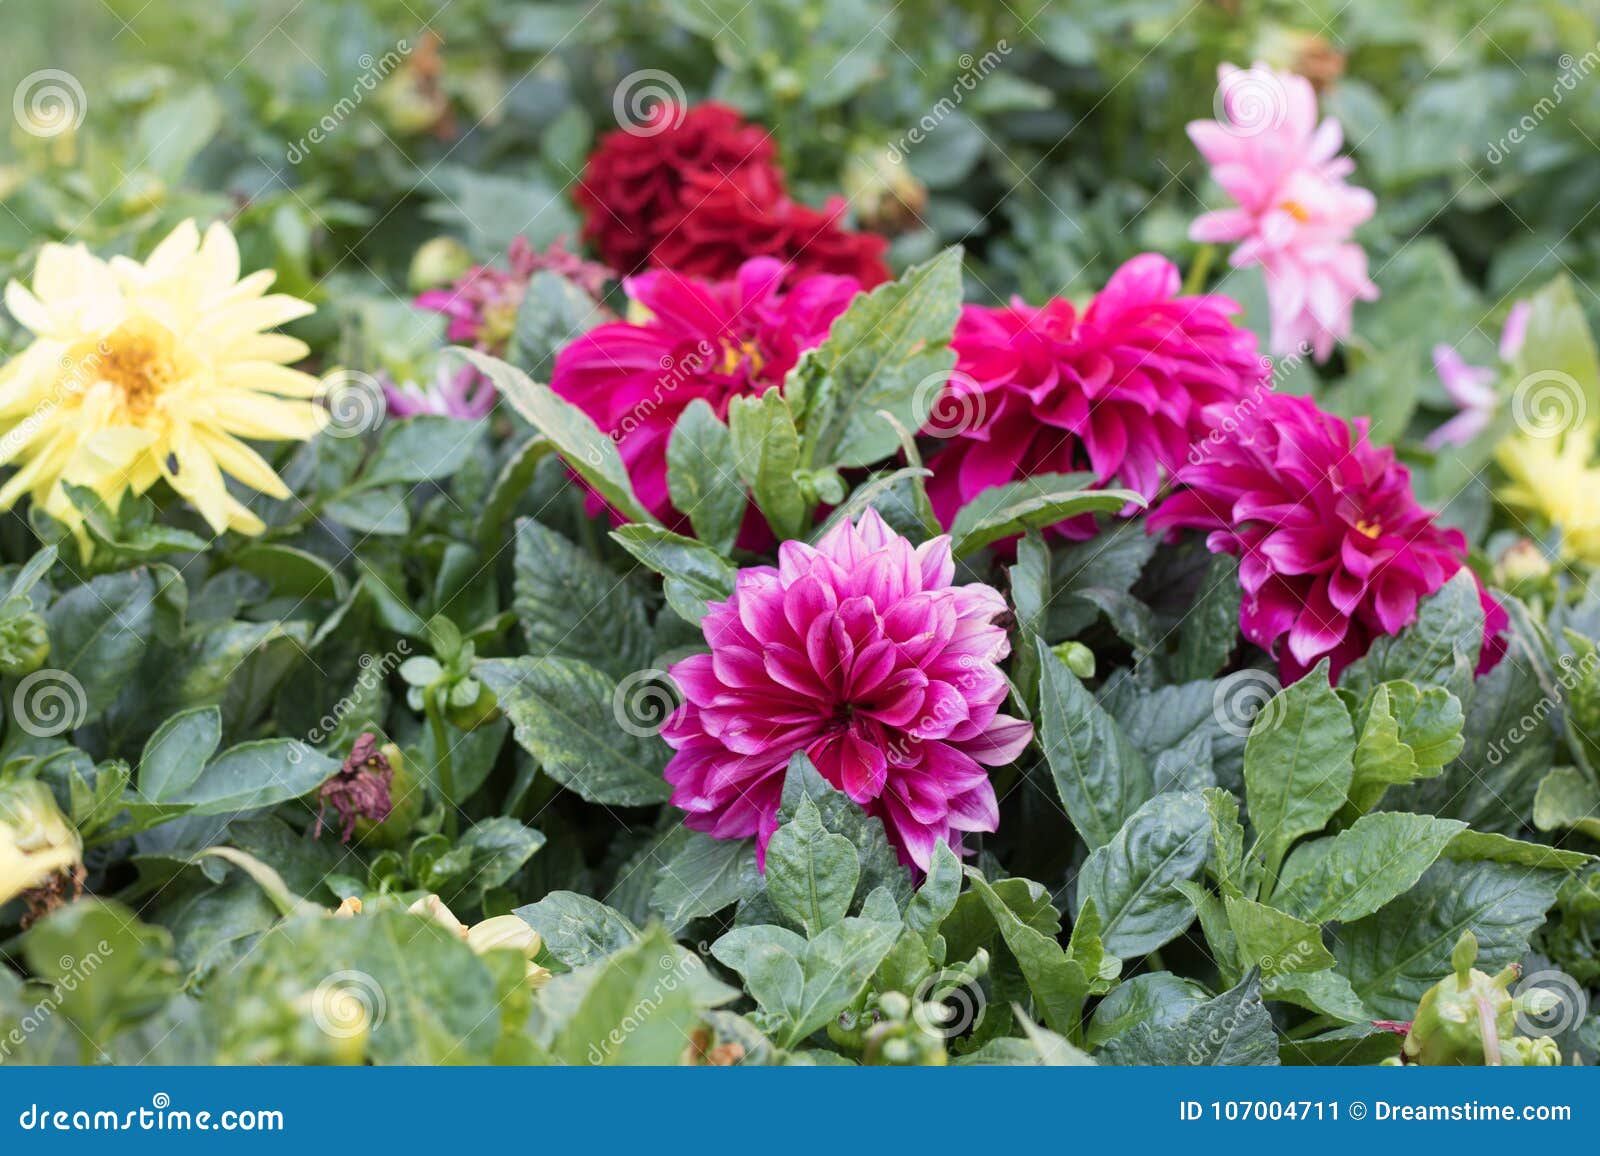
{"x": 802, "y": 985}
{"x": 766, "y": 454}
{"x": 638, "y": 1008}
{"x": 553, "y": 313}
{"x": 572, "y": 606}
{"x": 1031, "y": 504}
{"x": 694, "y": 573}
{"x": 421, "y": 449}
{"x": 1325, "y": 992}
{"x": 580, "y": 443}
{"x": 880, "y": 354}
{"x": 256, "y": 774}
{"x": 704, "y": 876}
{"x": 1225, "y": 861}
{"x": 1101, "y": 778}
{"x": 1394, "y": 956}
{"x": 1231, "y": 1029}
{"x": 703, "y": 476}
{"x": 937, "y": 896}
{"x": 99, "y": 632}
{"x": 1486, "y": 845}
{"x": 879, "y": 865}
{"x": 1297, "y": 764}
{"x": 1030, "y": 598}
{"x": 1360, "y": 869}
{"x": 1406, "y": 734}
{"x": 1132, "y": 878}
{"x": 1559, "y": 350}
{"x": 176, "y": 755}
{"x": 565, "y": 714}
{"x": 1274, "y": 941}
{"x": 1439, "y": 649}
{"x": 1058, "y": 982}
{"x": 577, "y": 929}
{"x": 103, "y": 968}
{"x": 1209, "y": 633}
{"x": 811, "y": 873}
{"x": 291, "y": 573}
{"x": 1567, "y": 801}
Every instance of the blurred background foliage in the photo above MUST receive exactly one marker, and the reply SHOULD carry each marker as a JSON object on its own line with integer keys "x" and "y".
{"x": 340, "y": 134}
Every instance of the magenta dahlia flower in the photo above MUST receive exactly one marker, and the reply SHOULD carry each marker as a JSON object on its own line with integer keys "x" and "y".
{"x": 1295, "y": 212}
{"x": 1117, "y": 390}
{"x": 1333, "y": 548}
{"x": 860, "y": 652}
{"x": 690, "y": 339}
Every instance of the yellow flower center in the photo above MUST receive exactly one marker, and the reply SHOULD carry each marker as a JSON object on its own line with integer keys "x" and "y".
{"x": 733, "y": 354}
{"x": 1370, "y": 529}
{"x": 138, "y": 357}
{"x": 1296, "y": 210}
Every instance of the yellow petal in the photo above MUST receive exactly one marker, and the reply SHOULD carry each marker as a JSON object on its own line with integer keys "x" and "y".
{"x": 178, "y": 247}
{"x": 255, "y": 415}
{"x": 238, "y": 459}
{"x": 219, "y": 257}
{"x": 29, "y": 311}
{"x": 270, "y": 377}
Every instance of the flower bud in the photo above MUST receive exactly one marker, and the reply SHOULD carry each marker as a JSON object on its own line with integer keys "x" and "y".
{"x": 504, "y": 932}
{"x": 432, "y": 907}
{"x": 1466, "y": 1018}
{"x": 24, "y": 644}
{"x": 1077, "y": 658}
{"x": 36, "y": 841}
{"x": 437, "y": 262}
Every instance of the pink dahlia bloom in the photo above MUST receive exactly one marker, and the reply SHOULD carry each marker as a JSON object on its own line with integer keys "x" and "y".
{"x": 464, "y": 394}
{"x": 1117, "y": 390}
{"x": 482, "y": 305}
{"x": 860, "y": 652}
{"x": 1471, "y": 387}
{"x": 690, "y": 339}
{"x": 1333, "y": 548}
{"x": 1294, "y": 211}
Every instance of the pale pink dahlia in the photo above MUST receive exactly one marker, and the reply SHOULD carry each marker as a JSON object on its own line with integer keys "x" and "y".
{"x": 1117, "y": 389}
{"x": 1333, "y": 548}
{"x": 860, "y": 652}
{"x": 1471, "y": 387}
{"x": 1295, "y": 212}
{"x": 687, "y": 339}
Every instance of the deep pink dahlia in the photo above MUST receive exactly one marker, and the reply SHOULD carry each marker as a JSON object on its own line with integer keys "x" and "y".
{"x": 861, "y": 653}
{"x": 1333, "y": 548}
{"x": 1117, "y": 389}
{"x": 688, "y": 339}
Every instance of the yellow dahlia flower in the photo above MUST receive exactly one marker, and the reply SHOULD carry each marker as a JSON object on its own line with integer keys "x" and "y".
{"x": 146, "y": 371}
{"x": 1554, "y": 480}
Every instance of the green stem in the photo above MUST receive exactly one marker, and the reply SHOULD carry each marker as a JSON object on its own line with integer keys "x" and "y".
{"x": 1312, "y": 1027}
{"x": 443, "y": 775}
{"x": 1198, "y": 272}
